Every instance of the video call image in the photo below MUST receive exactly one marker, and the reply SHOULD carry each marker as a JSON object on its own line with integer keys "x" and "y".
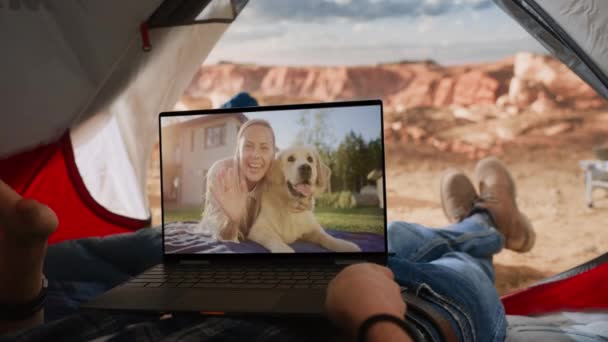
{"x": 282, "y": 181}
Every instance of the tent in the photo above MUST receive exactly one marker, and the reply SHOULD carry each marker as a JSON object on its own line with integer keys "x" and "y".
{"x": 575, "y": 32}
{"x": 101, "y": 71}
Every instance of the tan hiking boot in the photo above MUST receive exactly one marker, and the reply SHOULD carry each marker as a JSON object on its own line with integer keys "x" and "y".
{"x": 497, "y": 195}
{"x": 457, "y": 195}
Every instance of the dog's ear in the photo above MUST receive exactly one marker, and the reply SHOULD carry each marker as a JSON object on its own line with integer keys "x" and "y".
{"x": 323, "y": 182}
{"x": 275, "y": 173}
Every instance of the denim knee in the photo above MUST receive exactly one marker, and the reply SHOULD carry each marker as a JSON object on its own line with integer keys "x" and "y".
{"x": 396, "y": 229}
{"x": 401, "y": 235}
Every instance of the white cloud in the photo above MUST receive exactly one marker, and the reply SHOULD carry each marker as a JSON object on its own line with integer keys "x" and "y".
{"x": 340, "y": 2}
{"x": 426, "y": 24}
{"x": 451, "y": 37}
{"x": 321, "y": 10}
{"x": 360, "y": 27}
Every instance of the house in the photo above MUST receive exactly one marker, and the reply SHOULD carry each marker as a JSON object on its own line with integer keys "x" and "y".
{"x": 189, "y": 148}
{"x": 378, "y": 177}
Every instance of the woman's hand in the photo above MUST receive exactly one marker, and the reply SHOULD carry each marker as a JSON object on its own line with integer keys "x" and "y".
{"x": 231, "y": 195}
{"x": 360, "y": 291}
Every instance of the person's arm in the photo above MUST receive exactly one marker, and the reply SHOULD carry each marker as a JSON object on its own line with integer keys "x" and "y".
{"x": 225, "y": 201}
{"x": 25, "y": 226}
{"x": 361, "y": 291}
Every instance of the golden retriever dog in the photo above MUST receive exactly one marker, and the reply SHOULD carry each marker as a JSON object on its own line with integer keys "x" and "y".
{"x": 297, "y": 174}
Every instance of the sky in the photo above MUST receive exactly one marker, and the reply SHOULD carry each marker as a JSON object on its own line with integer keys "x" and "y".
{"x": 364, "y": 120}
{"x": 356, "y": 32}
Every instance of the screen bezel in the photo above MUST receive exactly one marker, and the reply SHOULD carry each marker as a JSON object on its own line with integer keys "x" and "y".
{"x": 379, "y": 257}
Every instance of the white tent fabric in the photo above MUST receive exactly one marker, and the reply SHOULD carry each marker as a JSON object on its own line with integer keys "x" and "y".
{"x": 586, "y": 22}
{"x": 572, "y": 30}
{"x": 63, "y": 58}
{"x": 125, "y": 132}
{"x": 101, "y": 84}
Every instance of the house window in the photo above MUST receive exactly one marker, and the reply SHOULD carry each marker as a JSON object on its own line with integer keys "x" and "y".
{"x": 215, "y": 136}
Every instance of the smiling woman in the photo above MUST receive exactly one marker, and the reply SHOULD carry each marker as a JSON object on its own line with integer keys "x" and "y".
{"x": 232, "y": 192}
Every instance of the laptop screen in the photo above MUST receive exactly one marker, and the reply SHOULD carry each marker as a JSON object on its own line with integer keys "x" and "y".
{"x": 281, "y": 179}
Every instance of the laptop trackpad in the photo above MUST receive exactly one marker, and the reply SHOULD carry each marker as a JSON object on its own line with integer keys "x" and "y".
{"x": 227, "y": 301}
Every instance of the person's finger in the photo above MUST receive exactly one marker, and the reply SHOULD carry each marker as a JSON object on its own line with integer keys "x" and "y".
{"x": 8, "y": 202}
{"x": 223, "y": 182}
{"x": 217, "y": 194}
{"x": 243, "y": 186}
{"x": 32, "y": 213}
{"x": 25, "y": 219}
{"x": 217, "y": 187}
{"x": 232, "y": 179}
{"x": 218, "y": 178}
{"x": 236, "y": 186}
{"x": 384, "y": 270}
{"x": 227, "y": 180}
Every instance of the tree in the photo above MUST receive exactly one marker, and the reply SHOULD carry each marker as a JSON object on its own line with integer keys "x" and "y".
{"x": 354, "y": 160}
{"x": 315, "y": 130}
{"x": 376, "y": 153}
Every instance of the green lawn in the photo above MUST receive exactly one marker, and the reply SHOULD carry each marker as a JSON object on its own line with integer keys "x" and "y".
{"x": 183, "y": 214}
{"x": 369, "y": 220}
{"x": 362, "y": 220}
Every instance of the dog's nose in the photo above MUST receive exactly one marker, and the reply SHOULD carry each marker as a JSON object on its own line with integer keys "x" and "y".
{"x": 305, "y": 171}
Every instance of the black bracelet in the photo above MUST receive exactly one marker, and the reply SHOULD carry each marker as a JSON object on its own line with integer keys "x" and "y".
{"x": 367, "y": 324}
{"x": 10, "y": 311}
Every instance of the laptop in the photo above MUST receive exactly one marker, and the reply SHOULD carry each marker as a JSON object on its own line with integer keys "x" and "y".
{"x": 204, "y": 273}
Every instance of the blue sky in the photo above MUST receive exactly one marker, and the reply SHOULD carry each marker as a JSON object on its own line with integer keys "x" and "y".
{"x": 352, "y": 32}
{"x": 362, "y": 120}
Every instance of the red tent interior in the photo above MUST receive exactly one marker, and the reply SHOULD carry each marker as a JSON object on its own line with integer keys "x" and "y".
{"x": 49, "y": 174}
{"x": 583, "y": 288}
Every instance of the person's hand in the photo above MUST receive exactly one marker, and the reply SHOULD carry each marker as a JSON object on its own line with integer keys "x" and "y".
{"x": 25, "y": 226}
{"x": 231, "y": 195}
{"x": 360, "y": 291}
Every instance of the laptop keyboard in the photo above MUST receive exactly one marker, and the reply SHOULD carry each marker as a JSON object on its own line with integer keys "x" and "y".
{"x": 226, "y": 277}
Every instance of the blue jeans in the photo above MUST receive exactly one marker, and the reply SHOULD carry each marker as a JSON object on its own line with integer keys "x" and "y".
{"x": 452, "y": 270}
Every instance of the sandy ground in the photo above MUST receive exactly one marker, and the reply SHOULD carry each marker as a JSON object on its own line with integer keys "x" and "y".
{"x": 550, "y": 191}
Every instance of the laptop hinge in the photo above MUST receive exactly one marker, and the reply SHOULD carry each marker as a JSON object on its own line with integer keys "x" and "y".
{"x": 348, "y": 261}
{"x": 194, "y": 262}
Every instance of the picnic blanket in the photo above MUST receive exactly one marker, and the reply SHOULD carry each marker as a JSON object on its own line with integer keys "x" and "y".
{"x": 180, "y": 237}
